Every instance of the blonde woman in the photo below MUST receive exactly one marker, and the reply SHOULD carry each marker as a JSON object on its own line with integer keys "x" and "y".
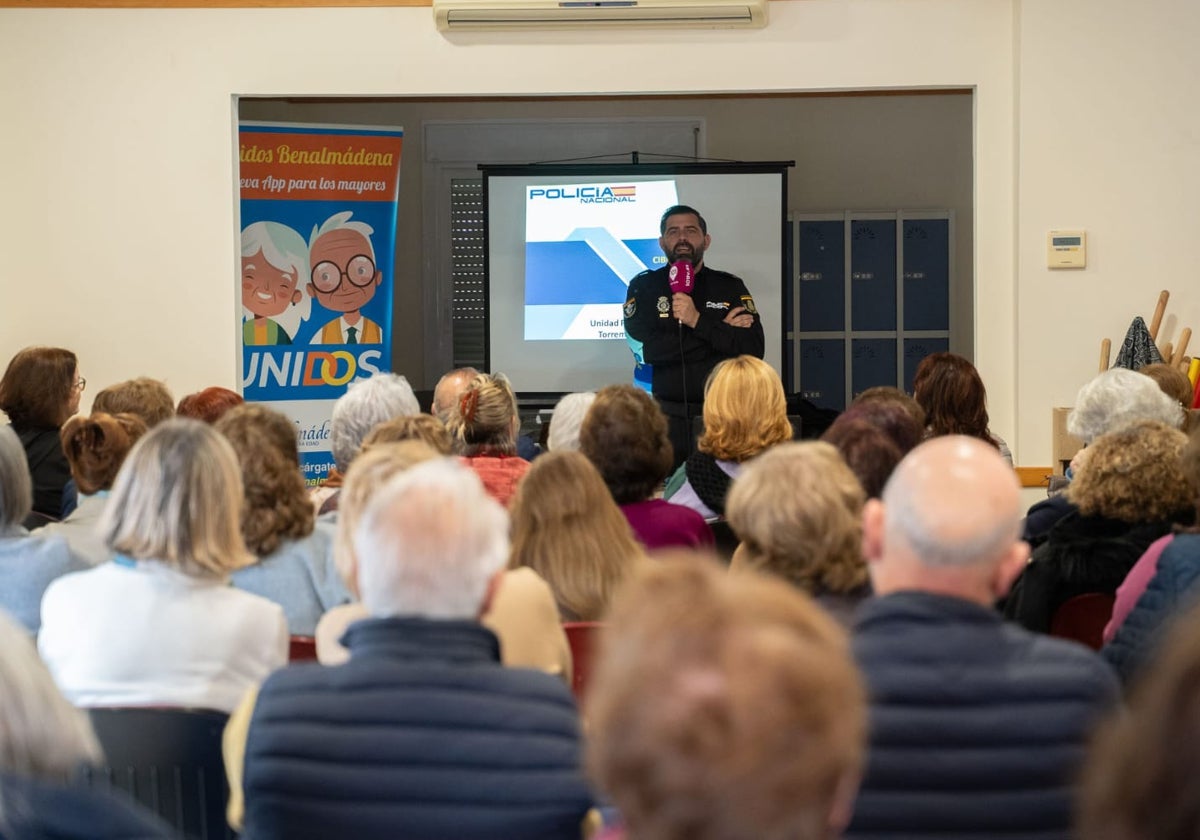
{"x": 567, "y": 528}
{"x": 160, "y": 625}
{"x": 484, "y": 424}
{"x": 745, "y": 413}
{"x": 797, "y": 510}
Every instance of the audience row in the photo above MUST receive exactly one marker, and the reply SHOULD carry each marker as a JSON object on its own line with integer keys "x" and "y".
{"x": 852, "y": 672}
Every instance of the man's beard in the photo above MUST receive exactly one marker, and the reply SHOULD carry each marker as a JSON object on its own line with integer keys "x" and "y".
{"x": 685, "y": 252}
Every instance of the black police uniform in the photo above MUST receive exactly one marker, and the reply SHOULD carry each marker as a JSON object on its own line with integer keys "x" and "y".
{"x": 682, "y": 357}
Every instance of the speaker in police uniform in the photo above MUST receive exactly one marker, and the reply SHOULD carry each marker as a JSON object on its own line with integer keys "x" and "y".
{"x": 683, "y": 336}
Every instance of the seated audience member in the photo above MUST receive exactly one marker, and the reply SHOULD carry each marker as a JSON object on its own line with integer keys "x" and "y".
{"x": 44, "y": 742}
{"x": 366, "y": 404}
{"x": 423, "y": 427}
{"x": 209, "y": 404}
{"x": 484, "y": 424}
{"x": 976, "y": 726}
{"x": 1139, "y": 781}
{"x": 449, "y": 391}
{"x": 797, "y": 510}
{"x": 143, "y": 397}
{"x": 1109, "y": 402}
{"x": 294, "y": 556}
{"x": 625, "y": 435}
{"x": 27, "y": 563}
{"x": 1175, "y": 384}
{"x": 96, "y": 447}
{"x": 866, "y": 449}
{"x": 421, "y": 732}
{"x": 1129, "y": 492}
{"x": 889, "y": 395}
{"x": 567, "y": 528}
{"x": 950, "y": 391}
{"x": 567, "y": 420}
{"x": 895, "y": 416}
{"x": 745, "y": 413}
{"x": 522, "y": 613}
{"x": 724, "y": 706}
{"x": 40, "y": 389}
{"x": 160, "y": 625}
{"x": 1161, "y": 584}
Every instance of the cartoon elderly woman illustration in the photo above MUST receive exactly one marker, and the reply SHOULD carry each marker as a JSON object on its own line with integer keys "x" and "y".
{"x": 274, "y": 262}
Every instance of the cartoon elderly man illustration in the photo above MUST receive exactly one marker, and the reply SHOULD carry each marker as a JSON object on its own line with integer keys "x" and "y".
{"x": 274, "y": 263}
{"x": 343, "y": 279}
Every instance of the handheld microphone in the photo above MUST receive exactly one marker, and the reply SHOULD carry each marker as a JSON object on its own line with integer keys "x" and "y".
{"x": 682, "y": 277}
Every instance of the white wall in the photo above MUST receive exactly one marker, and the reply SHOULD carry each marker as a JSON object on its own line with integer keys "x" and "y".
{"x": 119, "y": 147}
{"x": 1109, "y": 141}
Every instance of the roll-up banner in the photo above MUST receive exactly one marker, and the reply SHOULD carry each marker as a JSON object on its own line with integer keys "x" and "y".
{"x": 318, "y": 247}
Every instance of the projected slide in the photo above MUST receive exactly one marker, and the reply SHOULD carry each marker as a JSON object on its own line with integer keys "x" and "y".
{"x": 583, "y": 244}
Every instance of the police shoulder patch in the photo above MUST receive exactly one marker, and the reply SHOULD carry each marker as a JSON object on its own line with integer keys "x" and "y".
{"x": 748, "y": 303}
{"x": 630, "y": 307}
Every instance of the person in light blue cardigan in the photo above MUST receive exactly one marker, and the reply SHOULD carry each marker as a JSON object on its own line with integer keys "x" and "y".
{"x": 28, "y": 563}
{"x": 295, "y": 555}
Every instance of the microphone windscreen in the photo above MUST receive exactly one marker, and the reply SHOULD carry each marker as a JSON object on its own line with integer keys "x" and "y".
{"x": 682, "y": 277}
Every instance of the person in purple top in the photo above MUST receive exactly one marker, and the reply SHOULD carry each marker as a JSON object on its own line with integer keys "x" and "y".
{"x": 625, "y": 435}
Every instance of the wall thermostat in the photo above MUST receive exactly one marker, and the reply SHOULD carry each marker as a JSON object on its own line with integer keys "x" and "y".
{"x": 1066, "y": 249}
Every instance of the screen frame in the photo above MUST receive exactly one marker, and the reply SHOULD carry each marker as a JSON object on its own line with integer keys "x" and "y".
{"x": 636, "y": 168}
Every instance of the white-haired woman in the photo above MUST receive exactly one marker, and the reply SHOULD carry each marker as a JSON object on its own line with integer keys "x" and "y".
{"x": 160, "y": 625}
{"x": 44, "y": 741}
{"x": 27, "y": 563}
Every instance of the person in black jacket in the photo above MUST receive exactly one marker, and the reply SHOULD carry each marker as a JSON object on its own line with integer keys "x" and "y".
{"x": 977, "y": 726}
{"x": 682, "y": 336}
{"x": 39, "y": 391}
{"x": 423, "y": 732}
{"x": 1130, "y": 490}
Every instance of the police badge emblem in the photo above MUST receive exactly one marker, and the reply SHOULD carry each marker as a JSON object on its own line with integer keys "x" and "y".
{"x": 748, "y": 303}
{"x": 630, "y": 307}
{"x": 664, "y": 306}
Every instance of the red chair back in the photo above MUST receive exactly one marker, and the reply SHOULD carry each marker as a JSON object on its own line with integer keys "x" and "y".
{"x": 302, "y": 649}
{"x": 581, "y": 636}
{"x": 1082, "y": 618}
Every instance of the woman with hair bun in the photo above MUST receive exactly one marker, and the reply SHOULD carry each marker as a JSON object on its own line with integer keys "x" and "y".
{"x": 96, "y": 447}
{"x": 40, "y": 389}
{"x": 484, "y": 424}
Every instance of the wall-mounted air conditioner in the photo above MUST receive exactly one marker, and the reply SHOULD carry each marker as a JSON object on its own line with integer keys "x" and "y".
{"x": 456, "y": 15}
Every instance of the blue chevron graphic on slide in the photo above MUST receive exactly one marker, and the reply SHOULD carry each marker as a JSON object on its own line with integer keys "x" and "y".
{"x": 585, "y": 270}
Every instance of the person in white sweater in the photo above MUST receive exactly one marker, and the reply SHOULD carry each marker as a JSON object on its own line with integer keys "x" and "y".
{"x": 160, "y": 625}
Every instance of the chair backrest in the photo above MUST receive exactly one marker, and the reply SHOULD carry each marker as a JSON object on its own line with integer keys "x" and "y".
{"x": 302, "y": 649}
{"x": 581, "y": 636}
{"x": 169, "y": 760}
{"x": 1082, "y": 618}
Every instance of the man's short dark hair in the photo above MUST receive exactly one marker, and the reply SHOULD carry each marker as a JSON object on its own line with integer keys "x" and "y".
{"x": 680, "y": 210}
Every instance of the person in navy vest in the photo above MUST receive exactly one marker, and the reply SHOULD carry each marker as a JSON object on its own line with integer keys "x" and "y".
{"x": 422, "y": 733}
{"x": 977, "y": 727}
